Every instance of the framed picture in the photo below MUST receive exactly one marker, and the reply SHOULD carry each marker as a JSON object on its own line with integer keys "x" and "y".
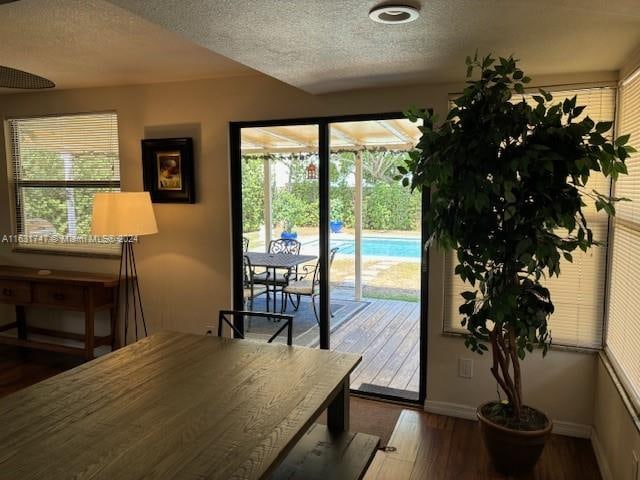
{"x": 167, "y": 170}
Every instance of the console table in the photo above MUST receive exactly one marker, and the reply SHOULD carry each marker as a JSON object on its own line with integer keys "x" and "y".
{"x": 64, "y": 290}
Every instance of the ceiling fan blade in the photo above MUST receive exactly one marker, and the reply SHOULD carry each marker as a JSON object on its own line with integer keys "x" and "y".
{"x": 7, "y": 1}
{"x": 14, "y": 78}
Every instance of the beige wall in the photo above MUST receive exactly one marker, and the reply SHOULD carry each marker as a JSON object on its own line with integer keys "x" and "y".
{"x": 615, "y": 430}
{"x": 185, "y": 269}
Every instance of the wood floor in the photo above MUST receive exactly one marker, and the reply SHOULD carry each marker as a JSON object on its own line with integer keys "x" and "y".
{"x": 387, "y": 335}
{"x": 428, "y": 447}
{"x": 434, "y": 447}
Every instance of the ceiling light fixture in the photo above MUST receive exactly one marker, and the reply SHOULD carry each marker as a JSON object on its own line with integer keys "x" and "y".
{"x": 394, "y": 14}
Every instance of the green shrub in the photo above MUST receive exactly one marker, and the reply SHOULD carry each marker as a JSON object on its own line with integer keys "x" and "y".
{"x": 252, "y": 193}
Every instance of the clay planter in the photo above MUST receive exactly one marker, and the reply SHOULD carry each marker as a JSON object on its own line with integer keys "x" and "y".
{"x": 512, "y": 452}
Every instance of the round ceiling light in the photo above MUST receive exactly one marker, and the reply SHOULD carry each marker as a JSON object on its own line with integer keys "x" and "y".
{"x": 394, "y": 14}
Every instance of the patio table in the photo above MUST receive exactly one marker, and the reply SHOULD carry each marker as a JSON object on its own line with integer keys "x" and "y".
{"x": 274, "y": 261}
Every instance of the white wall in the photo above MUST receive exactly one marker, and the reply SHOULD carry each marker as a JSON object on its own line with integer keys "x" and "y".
{"x": 185, "y": 269}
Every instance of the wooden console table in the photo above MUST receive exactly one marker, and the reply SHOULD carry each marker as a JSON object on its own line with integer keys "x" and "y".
{"x": 74, "y": 291}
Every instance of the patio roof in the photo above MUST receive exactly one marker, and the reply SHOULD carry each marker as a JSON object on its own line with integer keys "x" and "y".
{"x": 398, "y": 134}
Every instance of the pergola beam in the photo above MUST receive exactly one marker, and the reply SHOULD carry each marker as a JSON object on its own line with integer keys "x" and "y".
{"x": 286, "y": 138}
{"x": 339, "y": 132}
{"x": 400, "y": 135}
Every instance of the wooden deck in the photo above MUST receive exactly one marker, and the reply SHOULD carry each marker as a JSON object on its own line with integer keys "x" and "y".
{"x": 387, "y": 335}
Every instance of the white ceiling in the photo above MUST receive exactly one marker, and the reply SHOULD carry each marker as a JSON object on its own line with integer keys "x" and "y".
{"x": 329, "y": 45}
{"x": 84, "y": 43}
{"x": 317, "y": 45}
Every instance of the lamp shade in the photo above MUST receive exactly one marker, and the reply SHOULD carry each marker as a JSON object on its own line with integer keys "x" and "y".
{"x": 123, "y": 214}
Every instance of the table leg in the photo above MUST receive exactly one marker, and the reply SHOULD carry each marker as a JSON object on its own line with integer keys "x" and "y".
{"x": 115, "y": 328}
{"x": 338, "y": 410}
{"x": 275, "y": 292}
{"x": 21, "y": 321}
{"x": 89, "y": 319}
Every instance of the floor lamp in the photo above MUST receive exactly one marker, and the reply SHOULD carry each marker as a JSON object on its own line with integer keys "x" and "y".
{"x": 125, "y": 215}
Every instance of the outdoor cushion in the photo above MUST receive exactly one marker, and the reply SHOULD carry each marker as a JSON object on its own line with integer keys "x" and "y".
{"x": 302, "y": 287}
{"x": 257, "y": 290}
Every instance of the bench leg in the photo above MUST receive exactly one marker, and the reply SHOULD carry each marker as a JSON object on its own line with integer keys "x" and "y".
{"x": 338, "y": 410}
{"x": 21, "y": 321}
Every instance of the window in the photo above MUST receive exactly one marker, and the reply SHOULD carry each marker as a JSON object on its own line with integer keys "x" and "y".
{"x": 58, "y": 164}
{"x": 578, "y": 294}
{"x": 623, "y": 325}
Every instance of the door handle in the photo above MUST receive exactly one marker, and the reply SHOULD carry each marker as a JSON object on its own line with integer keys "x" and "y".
{"x": 58, "y": 296}
{"x": 7, "y": 292}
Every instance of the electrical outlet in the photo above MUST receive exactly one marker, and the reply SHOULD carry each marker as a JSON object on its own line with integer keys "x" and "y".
{"x": 465, "y": 367}
{"x": 210, "y": 330}
{"x": 636, "y": 466}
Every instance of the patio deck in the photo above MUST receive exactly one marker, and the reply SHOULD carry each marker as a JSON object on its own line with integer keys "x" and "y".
{"x": 387, "y": 335}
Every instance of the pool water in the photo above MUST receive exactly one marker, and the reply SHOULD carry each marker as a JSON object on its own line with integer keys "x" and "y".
{"x": 381, "y": 247}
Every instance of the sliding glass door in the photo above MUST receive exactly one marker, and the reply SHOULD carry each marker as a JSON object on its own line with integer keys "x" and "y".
{"x": 280, "y": 205}
{"x": 327, "y": 186}
{"x": 375, "y": 229}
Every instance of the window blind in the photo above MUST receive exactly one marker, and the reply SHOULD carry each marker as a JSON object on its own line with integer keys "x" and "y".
{"x": 58, "y": 164}
{"x": 578, "y": 294}
{"x": 622, "y": 340}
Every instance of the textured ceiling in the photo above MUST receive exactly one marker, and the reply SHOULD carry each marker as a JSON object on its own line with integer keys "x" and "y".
{"x": 84, "y": 43}
{"x": 329, "y": 45}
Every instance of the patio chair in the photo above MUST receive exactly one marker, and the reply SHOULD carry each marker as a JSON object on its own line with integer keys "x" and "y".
{"x": 228, "y": 317}
{"x": 249, "y": 287}
{"x": 245, "y": 244}
{"x": 306, "y": 287}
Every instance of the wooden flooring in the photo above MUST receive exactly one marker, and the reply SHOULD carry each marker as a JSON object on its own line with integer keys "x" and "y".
{"x": 434, "y": 447}
{"x": 387, "y": 335}
{"x": 428, "y": 447}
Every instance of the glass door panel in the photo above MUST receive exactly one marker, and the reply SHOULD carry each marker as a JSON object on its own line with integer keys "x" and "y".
{"x": 376, "y": 274}
{"x": 280, "y": 205}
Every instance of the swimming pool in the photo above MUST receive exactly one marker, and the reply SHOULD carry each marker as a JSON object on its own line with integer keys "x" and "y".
{"x": 381, "y": 247}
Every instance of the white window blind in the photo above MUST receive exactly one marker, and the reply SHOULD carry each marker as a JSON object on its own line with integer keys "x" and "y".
{"x": 623, "y": 315}
{"x": 578, "y": 294}
{"x": 58, "y": 164}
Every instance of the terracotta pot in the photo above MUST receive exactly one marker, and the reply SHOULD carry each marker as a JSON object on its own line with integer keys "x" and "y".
{"x": 512, "y": 452}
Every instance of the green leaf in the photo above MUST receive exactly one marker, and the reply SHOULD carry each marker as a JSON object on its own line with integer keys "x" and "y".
{"x": 622, "y": 140}
{"x": 602, "y": 127}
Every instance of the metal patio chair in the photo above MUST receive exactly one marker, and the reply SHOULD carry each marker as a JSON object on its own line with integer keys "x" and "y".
{"x": 228, "y": 317}
{"x": 306, "y": 285}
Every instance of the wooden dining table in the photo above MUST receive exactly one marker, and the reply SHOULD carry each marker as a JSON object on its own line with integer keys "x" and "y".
{"x": 182, "y": 406}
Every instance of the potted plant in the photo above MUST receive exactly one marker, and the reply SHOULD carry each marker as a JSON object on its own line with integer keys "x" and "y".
{"x": 287, "y": 231}
{"x": 509, "y": 191}
{"x": 336, "y": 214}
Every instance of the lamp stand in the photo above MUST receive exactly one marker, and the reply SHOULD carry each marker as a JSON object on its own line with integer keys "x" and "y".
{"x": 132, "y": 297}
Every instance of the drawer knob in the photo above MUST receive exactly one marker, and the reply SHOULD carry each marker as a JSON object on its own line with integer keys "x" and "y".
{"x": 58, "y": 296}
{"x": 7, "y": 292}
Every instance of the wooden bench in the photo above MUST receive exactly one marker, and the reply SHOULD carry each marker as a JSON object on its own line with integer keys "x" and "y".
{"x": 323, "y": 455}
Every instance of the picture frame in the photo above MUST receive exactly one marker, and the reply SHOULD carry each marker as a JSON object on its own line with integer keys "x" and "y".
{"x": 168, "y": 169}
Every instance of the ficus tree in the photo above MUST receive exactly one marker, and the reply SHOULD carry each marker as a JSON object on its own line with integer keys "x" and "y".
{"x": 510, "y": 182}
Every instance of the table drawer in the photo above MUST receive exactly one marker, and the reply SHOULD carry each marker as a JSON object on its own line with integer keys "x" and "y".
{"x": 15, "y": 292}
{"x": 63, "y": 295}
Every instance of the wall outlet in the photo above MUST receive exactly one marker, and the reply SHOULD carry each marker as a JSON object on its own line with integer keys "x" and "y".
{"x": 211, "y": 330}
{"x": 636, "y": 466}
{"x": 465, "y": 367}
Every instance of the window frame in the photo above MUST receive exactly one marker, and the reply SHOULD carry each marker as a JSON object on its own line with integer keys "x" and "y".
{"x": 629, "y": 394}
{"x": 15, "y": 186}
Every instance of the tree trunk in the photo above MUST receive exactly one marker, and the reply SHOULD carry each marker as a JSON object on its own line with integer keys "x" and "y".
{"x": 505, "y": 359}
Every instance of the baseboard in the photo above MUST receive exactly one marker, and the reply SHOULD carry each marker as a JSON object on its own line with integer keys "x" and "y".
{"x": 450, "y": 409}
{"x": 601, "y": 458}
{"x": 568, "y": 429}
